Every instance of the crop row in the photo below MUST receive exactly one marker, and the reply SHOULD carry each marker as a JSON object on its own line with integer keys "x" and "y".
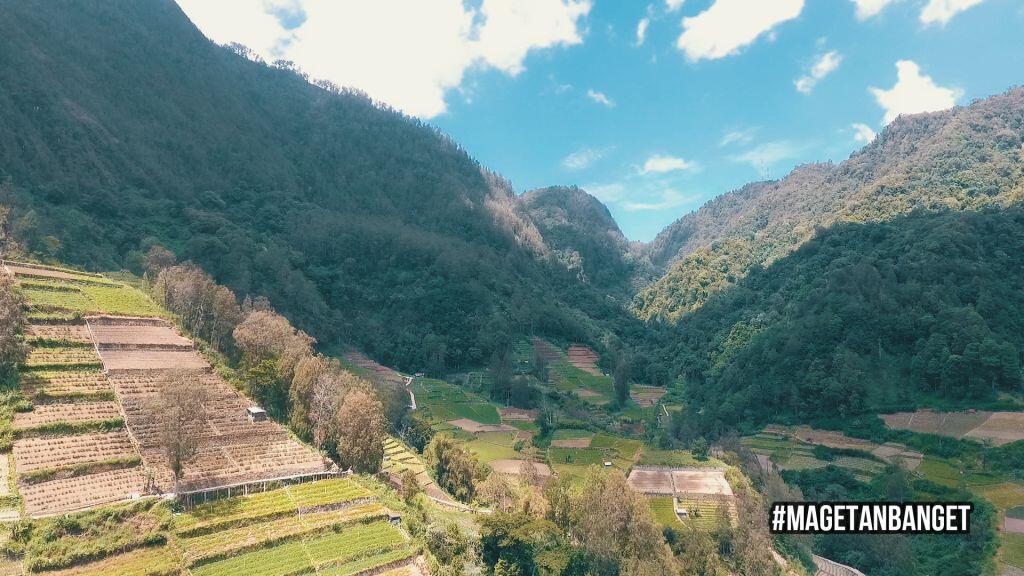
{"x": 204, "y": 548}
{"x": 249, "y": 509}
{"x": 153, "y": 561}
{"x": 302, "y": 557}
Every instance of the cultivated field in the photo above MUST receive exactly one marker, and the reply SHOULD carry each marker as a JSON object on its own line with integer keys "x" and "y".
{"x": 585, "y": 359}
{"x": 995, "y": 427}
{"x": 680, "y": 481}
{"x": 646, "y": 396}
{"x": 372, "y": 369}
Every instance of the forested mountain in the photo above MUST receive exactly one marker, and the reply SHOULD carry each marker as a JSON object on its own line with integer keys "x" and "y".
{"x": 362, "y": 225}
{"x": 863, "y": 317}
{"x": 959, "y": 159}
{"x": 582, "y": 235}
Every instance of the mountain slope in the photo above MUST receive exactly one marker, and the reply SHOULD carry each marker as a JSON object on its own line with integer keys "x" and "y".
{"x": 582, "y": 235}
{"x": 865, "y": 316}
{"x": 360, "y": 224}
{"x": 959, "y": 159}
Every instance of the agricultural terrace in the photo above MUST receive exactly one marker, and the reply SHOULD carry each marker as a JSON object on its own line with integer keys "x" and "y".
{"x": 441, "y": 402}
{"x": 805, "y": 436}
{"x": 590, "y": 385}
{"x": 328, "y": 527}
{"x": 70, "y": 448}
{"x": 696, "y": 496}
{"x": 398, "y": 458}
{"x": 621, "y": 453}
{"x": 584, "y": 358}
{"x": 364, "y": 366}
{"x": 997, "y": 428}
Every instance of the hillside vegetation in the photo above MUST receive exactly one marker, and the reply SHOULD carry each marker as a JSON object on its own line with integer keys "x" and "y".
{"x": 362, "y": 225}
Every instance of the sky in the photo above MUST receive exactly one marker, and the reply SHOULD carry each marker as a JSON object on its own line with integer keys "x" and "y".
{"x": 654, "y": 107}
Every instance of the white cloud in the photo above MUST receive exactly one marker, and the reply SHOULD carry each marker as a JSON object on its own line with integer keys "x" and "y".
{"x": 823, "y": 66}
{"x": 868, "y": 8}
{"x": 659, "y": 164}
{"x": 913, "y": 93}
{"x": 862, "y": 133}
{"x": 729, "y": 25}
{"x": 667, "y": 199}
{"x": 600, "y": 98}
{"x": 673, "y": 5}
{"x": 607, "y": 193}
{"x": 942, "y": 11}
{"x": 767, "y": 154}
{"x": 641, "y": 30}
{"x": 583, "y": 158}
{"x": 407, "y": 54}
{"x": 739, "y": 137}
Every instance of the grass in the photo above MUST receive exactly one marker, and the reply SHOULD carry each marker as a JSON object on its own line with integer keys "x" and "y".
{"x": 90, "y": 297}
{"x": 704, "y": 514}
{"x": 491, "y": 446}
{"x": 1012, "y": 549}
{"x": 570, "y": 434}
{"x": 1004, "y": 496}
{"x": 151, "y": 561}
{"x": 569, "y": 378}
{"x": 676, "y": 459}
{"x": 441, "y": 401}
{"x": 62, "y": 542}
{"x": 664, "y": 510}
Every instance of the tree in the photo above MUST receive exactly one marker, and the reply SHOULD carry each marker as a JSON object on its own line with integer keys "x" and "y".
{"x": 157, "y": 259}
{"x": 12, "y": 326}
{"x": 455, "y": 468}
{"x": 700, "y": 448}
{"x": 620, "y": 376}
{"x": 539, "y": 366}
{"x": 360, "y": 431}
{"x": 521, "y": 544}
{"x": 418, "y": 433}
{"x": 181, "y": 411}
{"x": 408, "y": 486}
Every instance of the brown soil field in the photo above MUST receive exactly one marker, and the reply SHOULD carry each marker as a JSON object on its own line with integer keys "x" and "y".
{"x": 108, "y": 335}
{"x": 152, "y": 360}
{"x": 585, "y": 359}
{"x": 378, "y": 372}
{"x": 954, "y": 424}
{"x": 30, "y": 271}
{"x": 546, "y": 350}
{"x": 646, "y": 396}
{"x": 1000, "y": 428}
{"x": 66, "y": 332}
{"x": 652, "y": 481}
{"x": 572, "y": 442}
{"x": 63, "y": 451}
{"x": 696, "y": 481}
{"x": 512, "y": 466}
{"x": 232, "y": 449}
{"x": 473, "y": 426}
{"x": 60, "y": 496}
{"x": 518, "y": 414}
{"x": 73, "y": 412}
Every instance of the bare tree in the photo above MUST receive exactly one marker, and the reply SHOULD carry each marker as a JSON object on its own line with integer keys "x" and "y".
{"x": 182, "y": 417}
{"x": 12, "y": 325}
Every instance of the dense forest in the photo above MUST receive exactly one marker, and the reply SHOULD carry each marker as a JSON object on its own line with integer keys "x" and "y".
{"x": 362, "y": 225}
{"x": 863, "y": 317}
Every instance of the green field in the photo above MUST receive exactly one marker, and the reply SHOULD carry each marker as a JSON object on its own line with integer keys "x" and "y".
{"x": 98, "y": 295}
{"x": 441, "y": 401}
{"x": 1012, "y": 549}
{"x": 664, "y": 510}
{"x": 491, "y": 446}
{"x": 569, "y": 378}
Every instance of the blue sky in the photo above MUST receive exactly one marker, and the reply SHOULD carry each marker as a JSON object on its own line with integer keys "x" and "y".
{"x": 715, "y": 94}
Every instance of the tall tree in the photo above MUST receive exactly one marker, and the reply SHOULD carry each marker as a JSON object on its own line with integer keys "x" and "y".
{"x": 12, "y": 326}
{"x": 360, "y": 425}
{"x": 180, "y": 406}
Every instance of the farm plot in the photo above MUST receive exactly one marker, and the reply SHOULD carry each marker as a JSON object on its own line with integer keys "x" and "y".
{"x": 954, "y": 424}
{"x": 585, "y": 359}
{"x": 515, "y": 466}
{"x": 152, "y": 561}
{"x": 26, "y": 270}
{"x": 509, "y": 414}
{"x": 375, "y": 371}
{"x": 489, "y": 446}
{"x": 569, "y": 438}
{"x": 79, "y": 492}
{"x": 111, "y": 333}
{"x": 474, "y": 427}
{"x": 71, "y": 413}
{"x": 646, "y": 396}
{"x": 66, "y": 384}
{"x": 72, "y": 333}
{"x": 548, "y": 352}
{"x": 1000, "y": 428}
{"x": 329, "y": 553}
{"x": 442, "y": 402}
{"x": 34, "y": 454}
{"x": 153, "y": 360}
{"x": 61, "y": 358}
{"x": 231, "y": 448}
{"x": 689, "y": 481}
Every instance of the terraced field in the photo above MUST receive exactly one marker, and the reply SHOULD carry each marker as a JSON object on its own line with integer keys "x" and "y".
{"x": 441, "y": 402}
{"x": 327, "y": 527}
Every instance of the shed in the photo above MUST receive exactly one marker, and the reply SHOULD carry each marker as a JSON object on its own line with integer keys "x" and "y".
{"x": 256, "y": 414}
{"x": 394, "y": 518}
